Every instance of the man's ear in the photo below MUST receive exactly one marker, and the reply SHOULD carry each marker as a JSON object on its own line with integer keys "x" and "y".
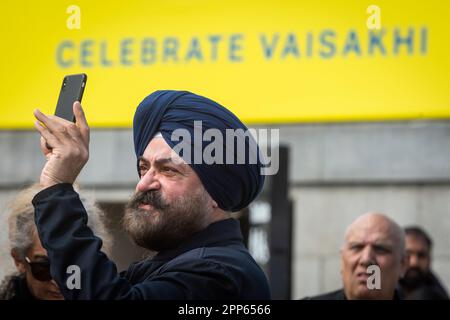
{"x": 18, "y": 261}
{"x": 341, "y": 252}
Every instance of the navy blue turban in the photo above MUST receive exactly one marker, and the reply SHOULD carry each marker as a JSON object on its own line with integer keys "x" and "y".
{"x": 232, "y": 185}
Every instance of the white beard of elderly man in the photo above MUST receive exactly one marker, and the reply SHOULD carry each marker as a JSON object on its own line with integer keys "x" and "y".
{"x": 181, "y": 209}
{"x": 372, "y": 239}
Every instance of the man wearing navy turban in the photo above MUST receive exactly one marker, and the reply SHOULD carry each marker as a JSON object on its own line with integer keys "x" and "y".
{"x": 197, "y": 164}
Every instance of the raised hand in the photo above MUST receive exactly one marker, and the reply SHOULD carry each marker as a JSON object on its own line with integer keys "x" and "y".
{"x": 65, "y": 145}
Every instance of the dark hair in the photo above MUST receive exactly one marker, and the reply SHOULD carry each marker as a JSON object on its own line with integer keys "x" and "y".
{"x": 419, "y": 232}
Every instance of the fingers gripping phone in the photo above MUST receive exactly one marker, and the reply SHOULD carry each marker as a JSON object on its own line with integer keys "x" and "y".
{"x": 71, "y": 90}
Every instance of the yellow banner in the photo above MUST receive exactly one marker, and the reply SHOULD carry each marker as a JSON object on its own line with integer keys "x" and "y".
{"x": 268, "y": 61}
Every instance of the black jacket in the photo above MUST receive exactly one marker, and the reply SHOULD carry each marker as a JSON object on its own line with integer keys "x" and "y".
{"x": 340, "y": 295}
{"x": 429, "y": 288}
{"x": 213, "y": 264}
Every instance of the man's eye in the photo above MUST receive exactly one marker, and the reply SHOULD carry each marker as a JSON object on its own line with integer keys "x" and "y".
{"x": 382, "y": 250}
{"x": 169, "y": 169}
{"x": 421, "y": 255}
{"x": 356, "y": 247}
{"x": 142, "y": 170}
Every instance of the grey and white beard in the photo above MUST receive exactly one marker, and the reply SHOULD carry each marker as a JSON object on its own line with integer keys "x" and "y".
{"x": 169, "y": 224}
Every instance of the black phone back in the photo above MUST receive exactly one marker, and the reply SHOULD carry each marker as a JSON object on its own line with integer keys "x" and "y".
{"x": 71, "y": 90}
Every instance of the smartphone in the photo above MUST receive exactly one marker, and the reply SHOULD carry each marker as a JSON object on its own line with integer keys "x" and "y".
{"x": 71, "y": 90}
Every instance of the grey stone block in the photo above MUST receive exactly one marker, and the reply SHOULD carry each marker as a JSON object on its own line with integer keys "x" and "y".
{"x": 306, "y": 277}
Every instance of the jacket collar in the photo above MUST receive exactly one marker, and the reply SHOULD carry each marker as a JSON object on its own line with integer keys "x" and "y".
{"x": 219, "y": 232}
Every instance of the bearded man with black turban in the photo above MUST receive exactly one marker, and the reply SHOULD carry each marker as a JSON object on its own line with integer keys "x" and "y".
{"x": 196, "y": 165}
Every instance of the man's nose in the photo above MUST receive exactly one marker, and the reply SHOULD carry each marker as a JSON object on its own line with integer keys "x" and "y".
{"x": 368, "y": 256}
{"x": 413, "y": 260}
{"x": 148, "y": 182}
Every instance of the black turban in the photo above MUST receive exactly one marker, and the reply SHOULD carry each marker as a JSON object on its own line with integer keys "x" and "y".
{"x": 232, "y": 185}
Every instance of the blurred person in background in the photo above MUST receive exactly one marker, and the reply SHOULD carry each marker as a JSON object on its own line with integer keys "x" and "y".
{"x": 372, "y": 239}
{"x": 419, "y": 282}
{"x": 32, "y": 280}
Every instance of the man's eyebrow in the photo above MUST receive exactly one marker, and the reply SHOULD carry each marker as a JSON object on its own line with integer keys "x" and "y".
{"x": 375, "y": 244}
{"x": 354, "y": 243}
{"x": 161, "y": 161}
{"x": 169, "y": 160}
{"x": 141, "y": 158}
{"x": 383, "y": 245}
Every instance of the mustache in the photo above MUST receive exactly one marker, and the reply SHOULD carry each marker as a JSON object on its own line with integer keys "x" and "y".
{"x": 153, "y": 198}
{"x": 414, "y": 270}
